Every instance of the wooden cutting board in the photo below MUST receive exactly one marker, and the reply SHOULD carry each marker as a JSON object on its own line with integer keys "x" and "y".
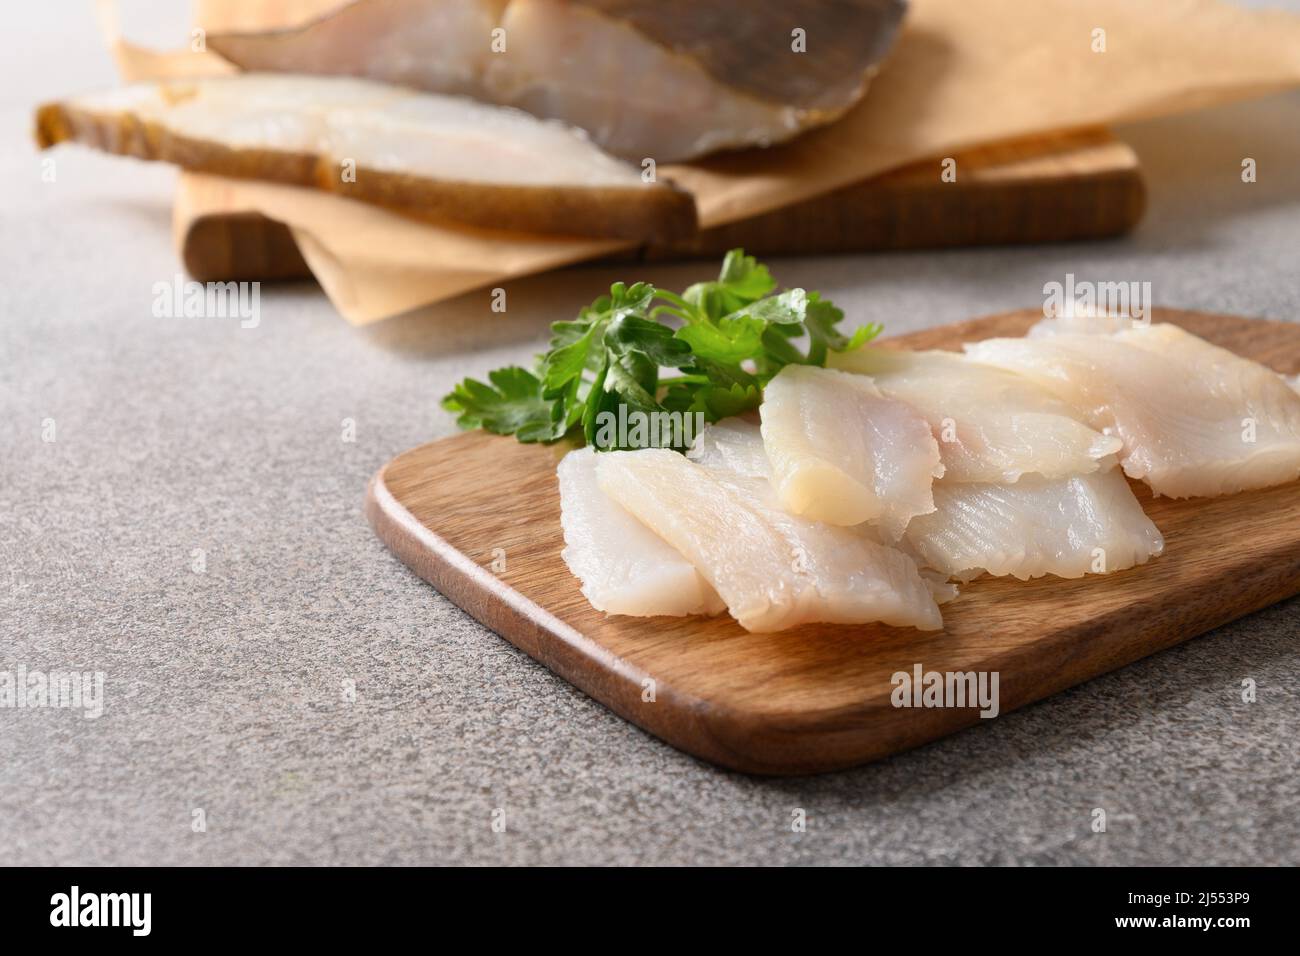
{"x": 1078, "y": 185}
{"x": 818, "y": 697}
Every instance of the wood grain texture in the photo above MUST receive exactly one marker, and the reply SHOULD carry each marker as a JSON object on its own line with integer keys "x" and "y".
{"x": 818, "y": 697}
{"x": 1081, "y": 185}
{"x": 1078, "y": 185}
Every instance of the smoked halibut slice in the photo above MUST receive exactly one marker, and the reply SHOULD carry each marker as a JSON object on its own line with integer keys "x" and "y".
{"x": 1067, "y": 526}
{"x": 992, "y": 425}
{"x": 664, "y": 79}
{"x": 1195, "y": 420}
{"x": 773, "y": 570}
{"x": 442, "y": 46}
{"x": 426, "y": 155}
{"x": 624, "y": 567}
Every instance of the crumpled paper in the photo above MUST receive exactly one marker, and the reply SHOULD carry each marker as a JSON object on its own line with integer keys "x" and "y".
{"x": 962, "y": 74}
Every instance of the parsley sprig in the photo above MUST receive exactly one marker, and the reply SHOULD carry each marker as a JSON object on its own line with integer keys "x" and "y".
{"x": 724, "y": 339}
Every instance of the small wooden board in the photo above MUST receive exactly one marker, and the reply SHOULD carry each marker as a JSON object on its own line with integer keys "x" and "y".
{"x": 1078, "y": 185}
{"x": 818, "y": 697}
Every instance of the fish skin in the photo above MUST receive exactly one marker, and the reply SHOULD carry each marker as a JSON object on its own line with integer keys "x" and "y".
{"x": 992, "y": 425}
{"x": 559, "y": 51}
{"x": 1034, "y": 527}
{"x": 773, "y": 570}
{"x": 843, "y": 453}
{"x": 670, "y": 80}
{"x": 844, "y": 39}
{"x": 1179, "y": 404}
{"x": 624, "y": 567}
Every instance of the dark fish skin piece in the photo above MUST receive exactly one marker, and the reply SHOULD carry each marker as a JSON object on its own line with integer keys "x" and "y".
{"x": 747, "y": 45}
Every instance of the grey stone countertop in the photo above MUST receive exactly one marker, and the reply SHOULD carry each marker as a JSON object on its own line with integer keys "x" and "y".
{"x": 185, "y": 438}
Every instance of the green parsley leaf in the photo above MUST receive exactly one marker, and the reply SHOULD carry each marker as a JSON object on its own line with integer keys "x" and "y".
{"x": 512, "y": 405}
{"x": 742, "y": 281}
{"x": 726, "y": 337}
{"x": 732, "y": 340}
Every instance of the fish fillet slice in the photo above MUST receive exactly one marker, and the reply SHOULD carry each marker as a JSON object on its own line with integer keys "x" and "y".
{"x": 439, "y": 157}
{"x": 1186, "y": 410}
{"x": 666, "y": 79}
{"x": 624, "y": 567}
{"x": 442, "y": 46}
{"x": 773, "y": 570}
{"x": 1068, "y": 527}
{"x": 992, "y": 425}
{"x": 843, "y": 453}
{"x": 736, "y": 445}
{"x": 1081, "y": 322}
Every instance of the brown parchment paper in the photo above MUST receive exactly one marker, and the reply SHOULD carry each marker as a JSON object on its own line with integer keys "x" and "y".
{"x": 963, "y": 73}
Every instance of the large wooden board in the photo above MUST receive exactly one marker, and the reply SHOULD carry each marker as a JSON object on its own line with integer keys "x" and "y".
{"x": 1079, "y": 185}
{"x": 818, "y": 697}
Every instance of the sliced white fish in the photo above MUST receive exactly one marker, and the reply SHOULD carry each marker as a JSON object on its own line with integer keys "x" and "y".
{"x": 941, "y": 589}
{"x": 736, "y": 445}
{"x": 773, "y": 570}
{"x": 431, "y": 156}
{"x": 1083, "y": 323}
{"x": 1195, "y": 419}
{"x": 624, "y": 567}
{"x": 843, "y": 453}
{"x": 1068, "y": 527}
{"x": 666, "y": 79}
{"x": 992, "y": 425}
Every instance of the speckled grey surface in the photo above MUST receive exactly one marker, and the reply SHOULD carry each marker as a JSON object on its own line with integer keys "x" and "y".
{"x": 224, "y": 689}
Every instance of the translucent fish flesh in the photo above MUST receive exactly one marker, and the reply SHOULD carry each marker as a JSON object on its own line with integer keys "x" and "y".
{"x": 733, "y": 444}
{"x": 843, "y": 453}
{"x": 773, "y": 570}
{"x": 992, "y": 425}
{"x": 736, "y": 445}
{"x": 1068, "y": 527}
{"x": 1194, "y": 419}
{"x": 1081, "y": 323}
{"x": 624, "y": 567}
